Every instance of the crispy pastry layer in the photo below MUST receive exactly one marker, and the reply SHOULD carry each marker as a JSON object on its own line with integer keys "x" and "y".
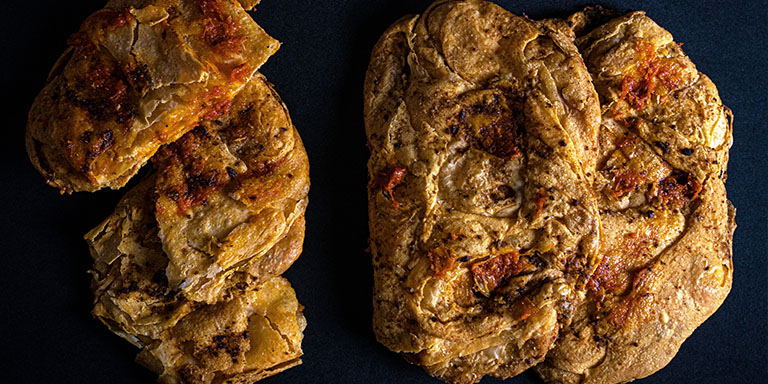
{"x": 667, "y": 223}
{"x": 139, "y": 74}
{"x": 229, "y": 192}
{"x": 187, "y": 266}
{"x": 483, "y": 130}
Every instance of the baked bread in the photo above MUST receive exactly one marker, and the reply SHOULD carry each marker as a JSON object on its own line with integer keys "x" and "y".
{"x": 187, "y": 266}
{"x": 254, "y": 331}
{"x": 482, "y": 127}
{"x": 139, "y": 74}
{"x": 231, "y": 195}
{"x": 667, "y": 223}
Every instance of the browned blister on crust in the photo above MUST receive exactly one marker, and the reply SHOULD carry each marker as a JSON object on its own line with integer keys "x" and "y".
{"x": 137, "y": 75}
{"x": 484, "y": 231}
{"x": 666, "y": 220}
{"x": 187, "y": 267}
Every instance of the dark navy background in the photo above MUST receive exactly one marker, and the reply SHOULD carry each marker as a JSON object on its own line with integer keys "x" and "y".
{"x": 48, "y": 335}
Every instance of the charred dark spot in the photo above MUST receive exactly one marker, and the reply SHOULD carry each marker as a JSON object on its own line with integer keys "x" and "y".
{"x": 536, "y": 260}
{"x": 201, "y": 131}
{"x": 132, "y": 286}
{"x": 502, "y": 192}
{"x": 664, "y": 147}
{"x": 159, "y": 277}
{"x": 172, "y": 12}
{"x": 86, "y": 137}
{"x": 675, "y": 191}
{"x": 200, "y": 181}
{"x": 529, "y": 361}
{"x": 229, "y": 344}
{"x": 107, "y": 139}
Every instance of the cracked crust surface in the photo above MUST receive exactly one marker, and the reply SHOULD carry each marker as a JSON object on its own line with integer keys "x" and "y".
{"x": 482, "y": 127}
{"x": 139, "y": 74}
{"x": 667, "y": 222}
{"x": 187, "y": 266}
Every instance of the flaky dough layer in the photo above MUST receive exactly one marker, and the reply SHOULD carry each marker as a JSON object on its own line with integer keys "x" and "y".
{"x": 483, "y": 130}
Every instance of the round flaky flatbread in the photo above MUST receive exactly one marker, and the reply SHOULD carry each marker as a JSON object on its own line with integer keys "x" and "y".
{"x": 667, "y": 223}
{"x": 483, "y": 130}
{"x": 137, "y": 75}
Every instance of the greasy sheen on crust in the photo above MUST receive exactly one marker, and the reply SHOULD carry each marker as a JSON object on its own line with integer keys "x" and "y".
{"x": 482, "y": 127}
{"x": 667, "y": 223}
{"x": 137, "y": 75}
{"x": 255, "y": 331}
{"x": 187, "y": 266}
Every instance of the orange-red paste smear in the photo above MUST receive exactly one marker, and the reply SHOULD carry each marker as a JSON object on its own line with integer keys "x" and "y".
{"x": 648, "y": 74}
{"x": 219, "y": 30}
{"x": 491, "y": 273}
{"x": 675, "y": 191}
{"x": 441, "y": 260}
{"x": 388, "y": 180}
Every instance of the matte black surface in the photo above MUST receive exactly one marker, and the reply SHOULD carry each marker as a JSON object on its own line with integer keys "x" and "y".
{"x": 48, "y": 335}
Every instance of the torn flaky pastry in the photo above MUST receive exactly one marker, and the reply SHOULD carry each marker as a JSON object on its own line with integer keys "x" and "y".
{"x": 254, "y": 331}
{"x": 188, "y": 261}
{"x": 231, "y": 195}
{"x": 139, "y": 74}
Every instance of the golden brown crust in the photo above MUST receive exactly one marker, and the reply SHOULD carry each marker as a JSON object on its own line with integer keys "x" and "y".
{"x": 253, "y": 332}
{"x": 139, "y": 74}
{"x": 667, "y": 223}
{"x": 189, "y": 274}
{"x": 482, "y": 127}
{"x": 229, "y": 191}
